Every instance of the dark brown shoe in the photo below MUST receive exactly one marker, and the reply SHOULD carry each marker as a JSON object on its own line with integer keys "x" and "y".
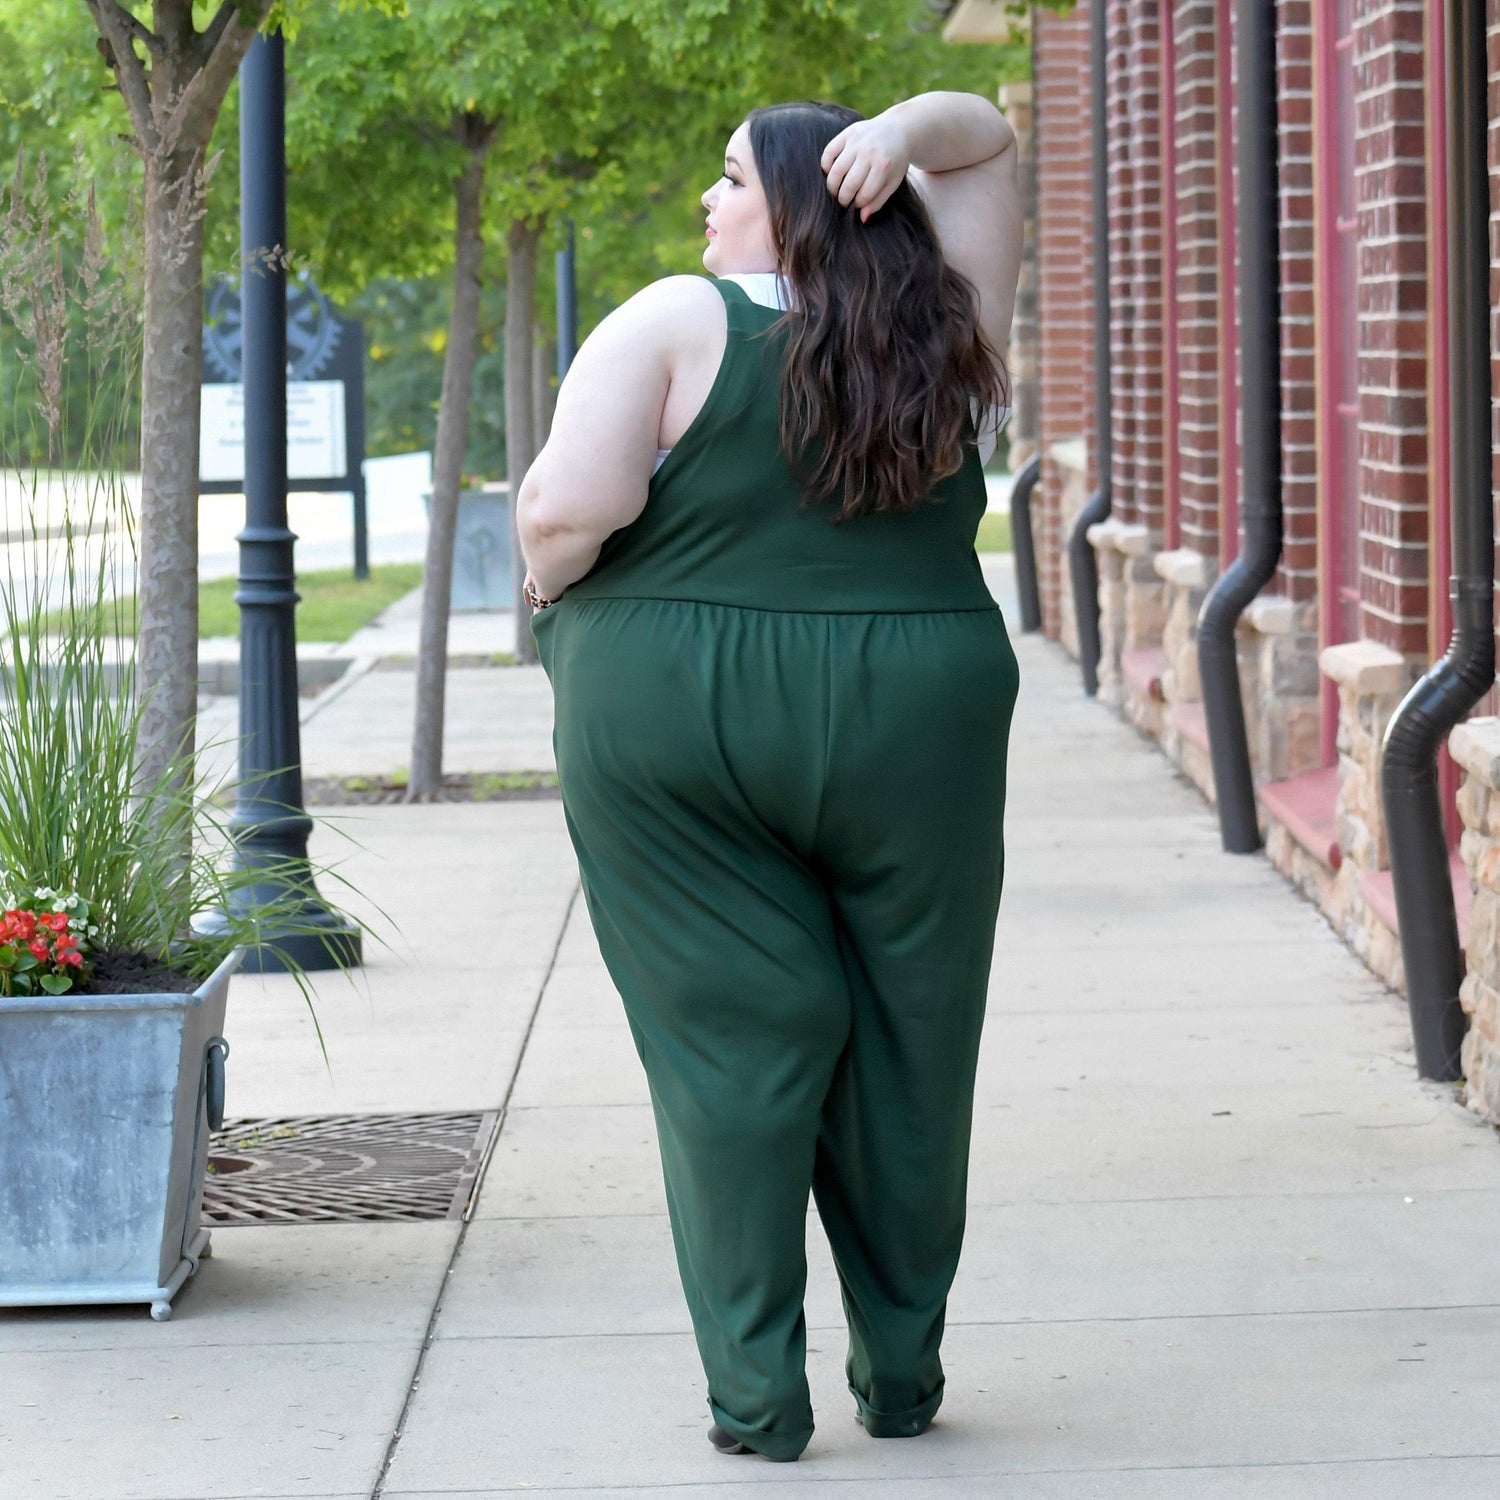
{"x": 727, "y": 1442}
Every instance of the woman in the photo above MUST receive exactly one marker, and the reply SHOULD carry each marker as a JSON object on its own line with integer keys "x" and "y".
{"x": 783, "y": 701}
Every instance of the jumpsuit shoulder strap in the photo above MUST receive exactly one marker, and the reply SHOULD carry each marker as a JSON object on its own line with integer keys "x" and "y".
{"x": 746, "y": 316}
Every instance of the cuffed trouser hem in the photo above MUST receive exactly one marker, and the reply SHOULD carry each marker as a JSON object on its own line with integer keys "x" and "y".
{"x": 781, "y": 1444}
{"x": 899, "y": 1424}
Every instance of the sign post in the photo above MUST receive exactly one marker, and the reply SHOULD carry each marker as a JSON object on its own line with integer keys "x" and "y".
{"x": 325, "y": 390}
{"x": 567, "y": 304}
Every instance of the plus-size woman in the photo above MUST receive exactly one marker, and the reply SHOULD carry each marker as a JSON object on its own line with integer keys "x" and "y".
{"x": 783, "y": 701}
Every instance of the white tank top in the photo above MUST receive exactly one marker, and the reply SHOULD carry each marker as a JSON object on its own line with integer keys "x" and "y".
{"x": 770, "y": 290}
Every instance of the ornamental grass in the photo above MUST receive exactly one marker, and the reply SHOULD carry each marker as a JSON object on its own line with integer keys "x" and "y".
{"x": 149, "y": 866}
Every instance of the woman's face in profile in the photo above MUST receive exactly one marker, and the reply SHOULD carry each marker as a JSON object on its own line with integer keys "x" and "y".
{"x": 739, "y": 223}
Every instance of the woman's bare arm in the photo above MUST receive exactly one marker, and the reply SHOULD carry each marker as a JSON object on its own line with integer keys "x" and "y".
{"x": 960, "y": 154}
{"x": 592, "y": 476}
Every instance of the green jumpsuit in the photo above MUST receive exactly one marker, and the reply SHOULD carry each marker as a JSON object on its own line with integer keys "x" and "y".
{"x": 781, "y": 746}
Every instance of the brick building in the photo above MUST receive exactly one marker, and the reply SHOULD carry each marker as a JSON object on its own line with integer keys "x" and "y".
{"x": 1358, "y": 607}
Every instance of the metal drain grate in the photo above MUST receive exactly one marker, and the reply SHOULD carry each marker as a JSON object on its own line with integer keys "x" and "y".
{"x": 345, "y": 1169}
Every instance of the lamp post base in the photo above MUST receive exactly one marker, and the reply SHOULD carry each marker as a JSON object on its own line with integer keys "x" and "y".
{"x": 313, "y": 937}
{"x": 335, "y": 944}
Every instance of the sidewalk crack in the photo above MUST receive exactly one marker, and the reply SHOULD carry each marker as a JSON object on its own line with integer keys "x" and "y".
{"x": 430, "y": 1335}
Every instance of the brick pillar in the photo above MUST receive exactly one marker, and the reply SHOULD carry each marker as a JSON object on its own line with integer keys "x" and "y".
{"x": 1145, "y": 374}
{"x": 1297, "y": 573}
{"x": 1130, "y": 590}
{"x": 1390, "y": 175}
{"x": 1278, "y": 633}
{"x": 1064, "y": 276}
{"x": 1124, "y": 171}
{"x": 1193, "y": 428}
{"x": 1195, "y": 425}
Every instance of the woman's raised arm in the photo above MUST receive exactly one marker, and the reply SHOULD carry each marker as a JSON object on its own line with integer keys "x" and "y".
{"x": 960, "y": 154}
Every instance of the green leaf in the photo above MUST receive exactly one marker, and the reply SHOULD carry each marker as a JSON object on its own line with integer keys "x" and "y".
{"x": 55, "y": 984}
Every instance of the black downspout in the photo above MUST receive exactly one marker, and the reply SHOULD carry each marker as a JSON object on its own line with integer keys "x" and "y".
{"x": 1023, "y": 547}
{"x": 1082, "y": 564}
{"x": 1425, "y": 915}
{"x": 1260, "y": 413}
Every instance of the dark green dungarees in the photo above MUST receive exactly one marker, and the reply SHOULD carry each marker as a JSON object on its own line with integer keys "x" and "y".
{"x": 781, "y": 745}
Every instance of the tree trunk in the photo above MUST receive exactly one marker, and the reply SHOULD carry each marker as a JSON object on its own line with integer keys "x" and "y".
{"x": 541, "y": 391}
{"x": 172, "y": 95}
{"x": 520, "y": 436}
{"x": 447, "y": 474}
{"x": 166, "y": 662}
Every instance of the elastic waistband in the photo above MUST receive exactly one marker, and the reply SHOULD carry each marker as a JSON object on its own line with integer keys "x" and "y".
{"x": 767, "y": 609}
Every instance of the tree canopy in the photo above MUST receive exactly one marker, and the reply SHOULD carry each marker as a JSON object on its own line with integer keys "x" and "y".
{"x": 648, "y": 91}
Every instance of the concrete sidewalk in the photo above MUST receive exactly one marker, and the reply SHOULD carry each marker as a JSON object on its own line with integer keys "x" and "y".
{"x": 1222, "y": 1242}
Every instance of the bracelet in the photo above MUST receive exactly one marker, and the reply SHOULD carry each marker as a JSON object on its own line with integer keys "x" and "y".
{"x": 534, "y": 599}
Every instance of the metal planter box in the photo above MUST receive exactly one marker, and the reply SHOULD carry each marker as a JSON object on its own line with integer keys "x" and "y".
{"x": 105, "y": 1103}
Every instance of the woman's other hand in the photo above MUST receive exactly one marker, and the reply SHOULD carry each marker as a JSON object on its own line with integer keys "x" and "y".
{"x": 866, "y": 162}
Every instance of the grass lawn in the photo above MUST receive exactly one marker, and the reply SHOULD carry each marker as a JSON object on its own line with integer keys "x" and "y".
{"x": 994, "y": 532}
{"x": 333, "y": 604}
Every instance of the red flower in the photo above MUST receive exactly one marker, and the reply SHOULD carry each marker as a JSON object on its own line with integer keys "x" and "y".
{"x": 20, "y": 924}
{"x": 38, "y": 947}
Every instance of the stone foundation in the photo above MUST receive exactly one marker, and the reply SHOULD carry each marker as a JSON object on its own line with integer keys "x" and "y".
{"x": 1372, "y": 680}
{"x": 1475, "y": 745}
{"x": 1131, "y": 614}
{"x": 1279, "y": 682}
{"x": 1186, "y": 578}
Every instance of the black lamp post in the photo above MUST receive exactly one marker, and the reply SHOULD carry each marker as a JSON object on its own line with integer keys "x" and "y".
{"x": 567, "y": 305}
{"x": 269, "y": 824}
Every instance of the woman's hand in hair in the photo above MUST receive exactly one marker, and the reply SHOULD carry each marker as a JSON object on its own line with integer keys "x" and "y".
{"x": 866, "y": 162}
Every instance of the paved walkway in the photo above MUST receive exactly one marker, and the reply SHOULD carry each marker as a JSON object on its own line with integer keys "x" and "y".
{"x": 1223, "y": 1244}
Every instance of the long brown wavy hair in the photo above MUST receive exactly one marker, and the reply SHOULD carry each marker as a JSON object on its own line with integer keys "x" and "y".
{"x": 884, "y": 346}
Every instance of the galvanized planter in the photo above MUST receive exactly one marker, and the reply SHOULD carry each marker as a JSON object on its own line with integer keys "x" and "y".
{"x": 105, "y": 1110}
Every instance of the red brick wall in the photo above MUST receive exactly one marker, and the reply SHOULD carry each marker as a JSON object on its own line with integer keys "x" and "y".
{"x": 1390, "y": 173}
{"x": 1297, "y": 573}
{"x": 1064, "y": 270}
{"x": 1195, "y": 425}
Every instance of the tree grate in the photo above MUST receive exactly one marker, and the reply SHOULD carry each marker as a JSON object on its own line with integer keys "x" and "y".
{"x": 346, "y": 1169}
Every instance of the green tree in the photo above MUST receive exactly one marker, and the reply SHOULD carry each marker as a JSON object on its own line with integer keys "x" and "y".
{"x": 172, "y": 79}
{"x": 172, "y": 63}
